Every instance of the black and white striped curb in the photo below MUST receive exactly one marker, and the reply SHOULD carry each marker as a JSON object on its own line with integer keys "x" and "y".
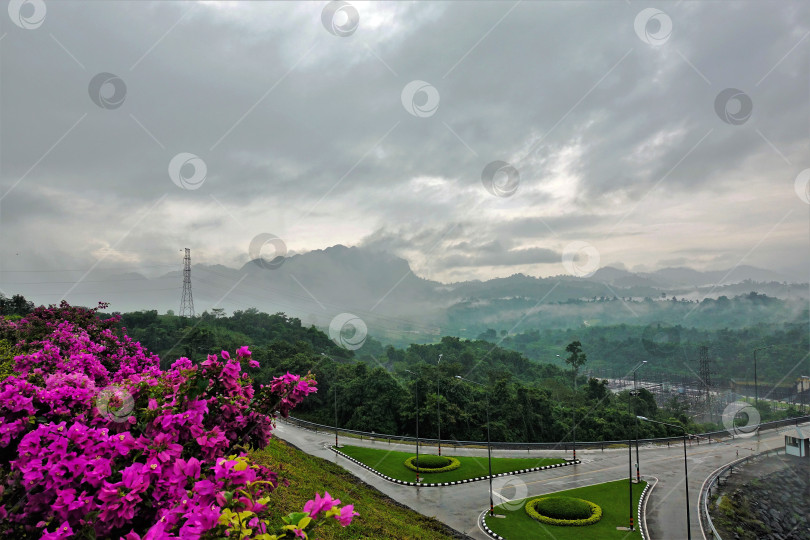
{"x": 487, "y": 530}
{"x": 642, "y": 506}
{"x": 440, "y": 484}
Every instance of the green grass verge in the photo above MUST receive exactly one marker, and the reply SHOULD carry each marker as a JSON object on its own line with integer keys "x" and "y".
{"x": 611, "y": 496}
{"x": 380, "y": 516}
{"x": 392, "y": 463}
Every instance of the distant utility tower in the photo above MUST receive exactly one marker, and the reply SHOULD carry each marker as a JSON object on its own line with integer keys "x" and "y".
{"x": 704, "y": 370}
{"x": 187, "y": 302}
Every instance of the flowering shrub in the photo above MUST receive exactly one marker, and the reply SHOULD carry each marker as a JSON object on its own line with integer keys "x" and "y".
{"x": 97, "y": 441}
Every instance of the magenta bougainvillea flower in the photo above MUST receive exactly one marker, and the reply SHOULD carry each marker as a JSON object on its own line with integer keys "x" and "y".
{"x": 97, "y": 441}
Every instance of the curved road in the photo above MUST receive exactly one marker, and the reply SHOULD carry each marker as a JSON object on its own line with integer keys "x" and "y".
{"x": 459, "y": 506}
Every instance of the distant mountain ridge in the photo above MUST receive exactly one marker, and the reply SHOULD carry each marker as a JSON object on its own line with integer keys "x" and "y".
{"x": 686, "y": 277}
{"x": 382, "y": 289}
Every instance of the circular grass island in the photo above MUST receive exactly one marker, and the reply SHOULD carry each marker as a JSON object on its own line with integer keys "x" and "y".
{"x": 429, "y": 463}
{"x": 564, "y": 511}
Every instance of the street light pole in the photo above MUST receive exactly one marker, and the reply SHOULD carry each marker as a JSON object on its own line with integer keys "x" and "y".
{"x": 417, "y": 423}
{"x": 574, "y": 417}
{"x": 756, "y": 389}
{"x": 685, "y": 471}
{"x": 334, "y": 385}
{"x": 489, "y": 444}
{"x": 635, "y": 394}
{"x": 336, "y": 417}
{"x": 630, "y": 476}
{"x": 489, "y": 459}
{"x": 756, "y": 386}
{"x": 438, "y": 413}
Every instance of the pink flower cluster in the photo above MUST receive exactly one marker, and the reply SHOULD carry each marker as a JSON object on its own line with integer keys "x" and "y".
{"x": 97, "y": 441}
{"x": 325, "y": 504}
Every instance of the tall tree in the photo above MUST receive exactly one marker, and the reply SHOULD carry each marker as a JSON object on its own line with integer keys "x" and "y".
{"x": 576, "y": 359}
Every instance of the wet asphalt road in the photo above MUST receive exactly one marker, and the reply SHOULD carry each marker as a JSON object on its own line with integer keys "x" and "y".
{"x": 460, "y": 506}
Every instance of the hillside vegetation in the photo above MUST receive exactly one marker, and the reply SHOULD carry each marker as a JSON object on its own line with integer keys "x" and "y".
{"x": 536, "y": 399}
{"x": 380, "y": 516}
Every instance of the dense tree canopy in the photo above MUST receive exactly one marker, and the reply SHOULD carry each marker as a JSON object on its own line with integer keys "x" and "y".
{"x": 530, "y": 398}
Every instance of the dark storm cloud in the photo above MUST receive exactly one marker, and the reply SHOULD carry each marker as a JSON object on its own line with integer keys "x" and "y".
{"x": 304, "y": 133}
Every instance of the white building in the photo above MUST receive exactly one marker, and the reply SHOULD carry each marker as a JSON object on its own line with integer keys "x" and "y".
{"x": 797, "y": 443}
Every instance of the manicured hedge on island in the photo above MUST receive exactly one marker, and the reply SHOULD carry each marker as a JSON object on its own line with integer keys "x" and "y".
{"x": 429, "y": 461}
{"x": 564, "y": 511}
{"x": 432, "y": 464}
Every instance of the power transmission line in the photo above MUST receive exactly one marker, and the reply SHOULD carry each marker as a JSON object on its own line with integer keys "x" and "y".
{"x": 123, "y": 268}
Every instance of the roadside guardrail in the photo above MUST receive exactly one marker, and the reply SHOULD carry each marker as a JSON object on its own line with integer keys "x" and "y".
{"x": 715, "y": 479}
{"x": 567, "y": 445}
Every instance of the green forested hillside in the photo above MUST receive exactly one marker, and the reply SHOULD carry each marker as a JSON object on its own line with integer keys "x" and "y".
{"x": 530, "y": 390}
{"x": 673, "y": 350}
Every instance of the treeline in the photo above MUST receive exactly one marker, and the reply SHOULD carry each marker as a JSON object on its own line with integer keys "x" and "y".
{"x": 376, "y": 387}
{"x": 526, "y": 401}
{"x": 544, "y": 410}
{"x": 17, "y": 305}
{"x": 171, "y": 336}
{"x": 477, "y": 315}
{"x": 531, "y": 391}
{"x": 673, "y": 351}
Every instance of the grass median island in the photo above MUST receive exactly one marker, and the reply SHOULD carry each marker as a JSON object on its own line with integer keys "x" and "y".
{"x": 392, "y": 463}
{"x": 610, "y": 496}
{"x": 380, "y": 516}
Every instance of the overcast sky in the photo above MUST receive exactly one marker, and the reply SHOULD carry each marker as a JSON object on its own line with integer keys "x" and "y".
{"x": 131, "y": 130}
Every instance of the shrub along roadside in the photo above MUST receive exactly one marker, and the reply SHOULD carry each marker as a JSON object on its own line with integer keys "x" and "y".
{"x": 564, "y": 511}
{"x": 451, "y": 464}
{"x": 431, "y": 461}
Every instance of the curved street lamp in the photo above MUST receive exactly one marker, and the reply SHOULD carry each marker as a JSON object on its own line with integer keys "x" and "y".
{"x": 574, "y": 415}
{"x": 334, "y": 385}
{"x": 489, "y": 445}
{"x": 438, "y": 395}
{"x": 756, "y": 387}
{"x": 417, "y": 423}
{"x": 635, "y": 393}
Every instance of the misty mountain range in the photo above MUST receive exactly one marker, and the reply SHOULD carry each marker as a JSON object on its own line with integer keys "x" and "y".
{"x": 382, "y": 290}
{"x": 683, "y": 277}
